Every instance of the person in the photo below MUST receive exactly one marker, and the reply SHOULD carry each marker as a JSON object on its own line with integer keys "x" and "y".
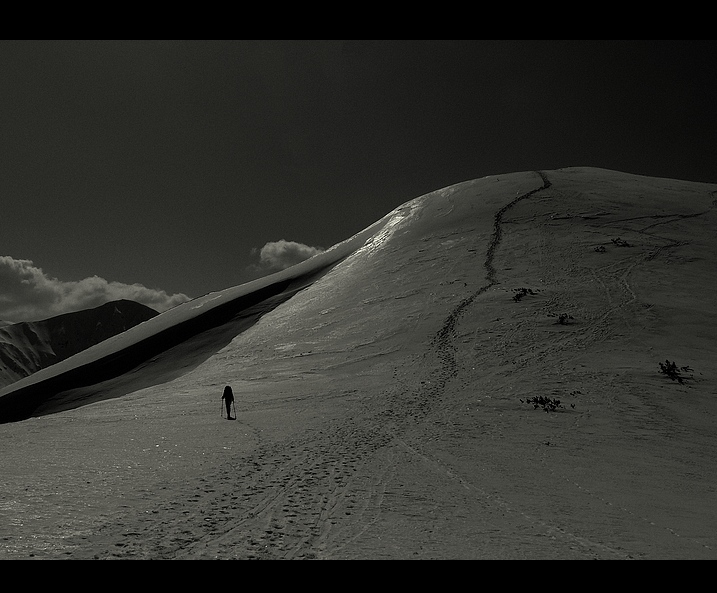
{"x": 228, "y": 398}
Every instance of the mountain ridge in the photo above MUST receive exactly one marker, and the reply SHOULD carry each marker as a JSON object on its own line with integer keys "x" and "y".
{"x": 27, "y": 347}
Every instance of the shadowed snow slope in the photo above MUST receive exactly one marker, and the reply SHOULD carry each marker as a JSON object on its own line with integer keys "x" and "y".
{"x": 385, "y": 394}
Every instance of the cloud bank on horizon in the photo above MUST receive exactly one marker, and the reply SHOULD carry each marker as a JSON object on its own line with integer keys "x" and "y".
{"x": 279, "y": 255}
{"x": 29, "y": 294}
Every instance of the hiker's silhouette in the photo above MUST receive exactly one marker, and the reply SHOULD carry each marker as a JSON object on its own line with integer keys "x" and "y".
{"x": 228, "y": 398}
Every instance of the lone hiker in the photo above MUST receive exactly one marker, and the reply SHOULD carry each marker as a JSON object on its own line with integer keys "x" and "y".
{"x": 228, "y": 398}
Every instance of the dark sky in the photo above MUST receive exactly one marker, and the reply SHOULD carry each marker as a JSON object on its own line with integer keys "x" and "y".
{"x": 165, "y": 163}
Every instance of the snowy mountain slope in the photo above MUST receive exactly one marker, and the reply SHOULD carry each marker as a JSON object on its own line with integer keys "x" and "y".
{"x": 610, "y": 194}
{"x": 385, "y": 398}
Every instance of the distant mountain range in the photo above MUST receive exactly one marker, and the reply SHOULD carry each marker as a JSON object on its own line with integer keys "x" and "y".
{"x": 30, "y": 346}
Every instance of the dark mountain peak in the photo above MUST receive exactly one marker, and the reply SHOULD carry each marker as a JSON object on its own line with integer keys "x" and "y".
{"x": 30, "y": 346}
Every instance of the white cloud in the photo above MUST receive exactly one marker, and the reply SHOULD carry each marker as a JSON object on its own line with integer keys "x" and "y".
{"x": 28, "y": 294}
{"x": 279, "y": 255}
